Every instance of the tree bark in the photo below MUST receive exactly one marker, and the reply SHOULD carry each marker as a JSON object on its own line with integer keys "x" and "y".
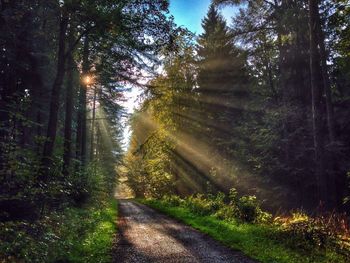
{"x": 67, "y": 154}
{"x": 55, "y": 98}
{"x": 335, "y": 198}
{"x": 326, "y": 81}
{"x": 317, "y": 112}
{"x": 82, "y": 132}
{"x": 92, "y": 149}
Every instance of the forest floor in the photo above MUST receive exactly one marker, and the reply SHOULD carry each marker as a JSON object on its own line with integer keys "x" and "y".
{"x": 148, "y": 236}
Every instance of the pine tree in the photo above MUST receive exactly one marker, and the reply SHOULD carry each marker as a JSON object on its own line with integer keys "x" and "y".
{"x": 222, "y": 77}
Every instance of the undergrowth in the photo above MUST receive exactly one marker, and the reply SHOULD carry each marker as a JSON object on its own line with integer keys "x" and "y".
{"x": 74, "y": 235}
{"x": 240, "y": 223}
{"x": 71, "y": 232}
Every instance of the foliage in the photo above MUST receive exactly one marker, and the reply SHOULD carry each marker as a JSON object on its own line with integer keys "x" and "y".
{"x": 244, "y": 209}
{"x": 264, "y": 242}
{"x": 232, "y": 108}
{"x": 43, "y": 149}
{"x": 327, "y": 231}
{"x": 156, "y": 140}
{"x": 57, "y": 167}
{"x": 73, "y": 234}
{"x": 248, "y": 208}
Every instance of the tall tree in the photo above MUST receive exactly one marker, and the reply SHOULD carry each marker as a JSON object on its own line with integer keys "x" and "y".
{"x": 317, "y": 99}
{"x": 55, "y": 94}
{"x": 222, "y": 77}
{"x": 85, "y": 84}
{"x": 71, "y": 69}
{"x": 95, "y": 23}
{"x": 326, "y": 79}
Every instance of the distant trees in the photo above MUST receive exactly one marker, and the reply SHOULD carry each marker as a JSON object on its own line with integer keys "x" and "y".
{"x": 192, "y": 113}
{"x": 267, "y": 106}
{"x": 154, "y": 157}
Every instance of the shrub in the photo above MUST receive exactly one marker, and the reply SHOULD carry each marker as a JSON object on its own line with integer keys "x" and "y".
{"x": 249, "y": 208}
{"x": 227, "y": 212}
{"x": 205, "y": 205}
{"x": 264, "y": 217}
{"x": 246, "y": 208}
{"x": 233, "y": 196}
{"x": 173, "y": 200}
{"x": 216, "y": 201}
{"x": 298, "y": 231}
{"x": 68, "y": 233}
{"x": 199, "y": 205}
{"x": 307, "y": 232}
{"x": 74, "y": 235}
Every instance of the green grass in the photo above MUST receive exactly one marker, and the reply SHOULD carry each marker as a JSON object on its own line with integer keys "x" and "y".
{"x": 96, "y": 243}
{"x": 260, "y": 242}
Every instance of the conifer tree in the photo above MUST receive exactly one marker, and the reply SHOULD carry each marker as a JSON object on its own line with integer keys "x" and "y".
{"x": 222, "y": 77}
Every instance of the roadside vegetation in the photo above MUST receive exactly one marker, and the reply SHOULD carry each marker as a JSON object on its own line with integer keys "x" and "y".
{"x": 72, "y": 233}
{"x": 241, "y": 224}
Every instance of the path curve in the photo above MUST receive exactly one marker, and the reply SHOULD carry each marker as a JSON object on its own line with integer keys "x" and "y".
{"x": 148, "y": 236}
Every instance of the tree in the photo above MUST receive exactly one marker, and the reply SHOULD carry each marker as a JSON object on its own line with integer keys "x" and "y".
{"x": 55, "y": 94}
{"x": 223, "y": 86}
{"x": 157, "y": 151}
{"x": 42, "y": 47}
{"x": 94, "y": 23}
{"x": 317, "y": 100}
{"x": 221, "y": 75}
{"x": 71, "y": 73}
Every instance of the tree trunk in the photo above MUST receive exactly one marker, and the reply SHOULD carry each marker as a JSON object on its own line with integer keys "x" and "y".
{"x": 334, "y": 198}
{"x": 55, "y": 98}
{"x": 92, "y": 149}
{"x": 81, "y": 133}
{"x": 69, "y": 113}
{"x": 326, "y": 81}
{"x": 78, "y": 137}
{"x": 317, "y": 113}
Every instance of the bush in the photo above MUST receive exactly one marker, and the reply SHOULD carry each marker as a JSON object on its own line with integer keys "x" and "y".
{"x": 173, "y": 200}
{"x": 300, "y": 232}
{"x": 75, "y": 235}
{"x": 246, "y": 208}
{"x": 227, "y": 212}
{"x": 323, "y": 231}
{"x": 199, "y": 205}
{"x": 217, "y": 201}
{"x": 67, "y": 233}
{"x": 249, "y": 208}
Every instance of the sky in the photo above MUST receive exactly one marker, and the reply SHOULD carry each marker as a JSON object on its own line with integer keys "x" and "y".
{"x": 187, "y": 13}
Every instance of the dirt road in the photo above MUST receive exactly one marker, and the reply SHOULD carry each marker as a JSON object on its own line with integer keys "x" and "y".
{"x": 147, "y": 236}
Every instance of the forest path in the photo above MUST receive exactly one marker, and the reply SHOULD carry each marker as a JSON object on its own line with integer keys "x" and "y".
{"x": 148, "y": 236}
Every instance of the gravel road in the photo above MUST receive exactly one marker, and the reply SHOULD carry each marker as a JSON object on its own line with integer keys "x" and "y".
{"x": 148, "y": 236}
